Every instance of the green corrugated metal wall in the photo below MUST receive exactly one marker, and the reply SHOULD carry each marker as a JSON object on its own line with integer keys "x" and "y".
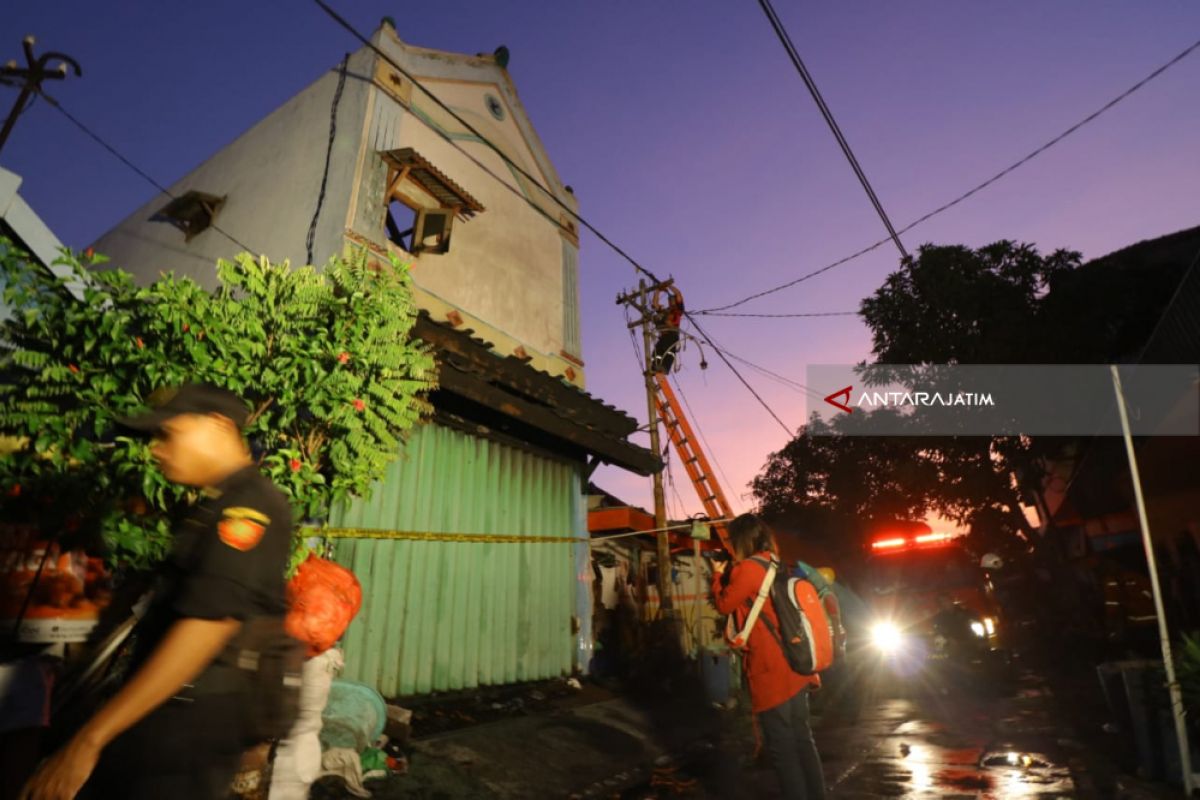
{"x": 440, "y": 616}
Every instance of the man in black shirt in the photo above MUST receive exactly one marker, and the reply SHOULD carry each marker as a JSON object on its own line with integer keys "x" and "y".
{"x": 179, "y": 725}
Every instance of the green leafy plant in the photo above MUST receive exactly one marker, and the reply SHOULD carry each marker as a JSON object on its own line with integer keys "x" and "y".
{"x": 1187, "y": 670}
{"x": 324, "y": 357}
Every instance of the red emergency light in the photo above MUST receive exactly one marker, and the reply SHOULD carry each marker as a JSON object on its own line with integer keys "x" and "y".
{"x": 923, "y": 541}
{"x": 889, "y": 544}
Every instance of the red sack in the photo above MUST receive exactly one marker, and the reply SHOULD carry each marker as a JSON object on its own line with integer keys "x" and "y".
{"x": 322, "y": 599}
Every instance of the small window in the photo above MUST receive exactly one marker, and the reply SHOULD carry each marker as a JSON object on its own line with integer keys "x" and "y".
{"x": 419, "y": 230}
{"x": 432, "y": 233}
{"x": 191, "y": 213}
{"x": 422, "y": 203}
{"x": 494, "y": 106}
{"x": 401, "y": 222}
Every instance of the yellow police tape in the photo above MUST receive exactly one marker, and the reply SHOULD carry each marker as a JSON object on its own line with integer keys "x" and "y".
{"x": 428, "y": 536}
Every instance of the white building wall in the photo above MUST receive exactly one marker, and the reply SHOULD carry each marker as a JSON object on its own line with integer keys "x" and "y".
{"x": 271, "y": 178}
{"x": 511, "y": 270}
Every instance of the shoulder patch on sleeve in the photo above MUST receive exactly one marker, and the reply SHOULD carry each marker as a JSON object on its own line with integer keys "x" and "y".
{"x": 242, "y": 512}
{"x": 242, "y": 528}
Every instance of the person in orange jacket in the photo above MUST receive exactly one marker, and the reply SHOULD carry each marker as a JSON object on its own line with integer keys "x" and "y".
{"x": 778, "y": 694}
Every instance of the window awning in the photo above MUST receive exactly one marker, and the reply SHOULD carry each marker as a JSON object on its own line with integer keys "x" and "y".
{"x": 408, "y": 163}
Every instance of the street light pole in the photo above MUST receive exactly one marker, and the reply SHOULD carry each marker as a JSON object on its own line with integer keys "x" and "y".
{"x": 1185, "y": 753}
{"x": 30, "y": 79}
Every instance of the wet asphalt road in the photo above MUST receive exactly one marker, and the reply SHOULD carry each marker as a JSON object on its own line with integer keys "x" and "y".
{"x": 927, "y": 741}
{"x": 922, "y": 741}
{"x": 964, "y": 743}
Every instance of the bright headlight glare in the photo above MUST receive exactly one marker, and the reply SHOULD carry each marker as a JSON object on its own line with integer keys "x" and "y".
{"x": 886, "y": 637}
{"x": 990, "y": 625}
{"x": 978, "y": 629}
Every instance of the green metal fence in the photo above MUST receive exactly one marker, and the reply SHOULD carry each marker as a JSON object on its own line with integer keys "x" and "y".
{"x": 440, "y": 615}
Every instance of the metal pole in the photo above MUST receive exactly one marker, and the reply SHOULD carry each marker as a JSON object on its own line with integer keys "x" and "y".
{"x": 666, "y": 605}
{"x": 1164, "y": 635}
{"x": 697, "y": 608}
{"x": 18, "y": 107}
{"x": 30, "y": 77}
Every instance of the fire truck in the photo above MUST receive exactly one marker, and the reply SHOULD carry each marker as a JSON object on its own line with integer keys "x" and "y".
{"x": 932, "y": 606}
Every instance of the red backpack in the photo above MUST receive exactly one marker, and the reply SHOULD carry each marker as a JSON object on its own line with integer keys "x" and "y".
{"x": 806, "y": 632}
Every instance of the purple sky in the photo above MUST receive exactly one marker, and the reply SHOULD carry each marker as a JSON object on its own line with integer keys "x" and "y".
{"x": 691, "y": 142}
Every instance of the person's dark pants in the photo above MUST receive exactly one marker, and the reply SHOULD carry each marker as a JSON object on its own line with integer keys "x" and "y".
{"x": 181, "y": 750}
{"x": 664, "y": 351}
{"x": 788, "y": 739}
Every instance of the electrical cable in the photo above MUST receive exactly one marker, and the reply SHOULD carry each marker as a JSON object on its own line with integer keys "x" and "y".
{"x": 782, "y": 316}
{"x": 973, "y": 191}
{"x": 113, "y": 151}
{"x": 739, "y": 376}
{"x": 795, "y": 385}
{"x": 682, "y": 507}
{"x": 333, "y": 111}
{"x": 517, "y": 168}
{"x": 798, "y": 63}
{"x": 340, "y": 20}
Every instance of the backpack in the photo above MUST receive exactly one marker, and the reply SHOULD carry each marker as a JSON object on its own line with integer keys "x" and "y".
{"x": 805, "y": 633}
{"x": 829, "y": 598}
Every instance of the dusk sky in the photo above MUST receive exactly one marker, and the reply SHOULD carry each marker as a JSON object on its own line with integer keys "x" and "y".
{"x": 691, "y": 142}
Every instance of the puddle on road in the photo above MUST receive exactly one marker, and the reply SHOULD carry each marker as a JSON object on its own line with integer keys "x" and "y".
{"x": 919, "y": 727}
{"x": 920, "y": 770}
{"x": 963, "y": 746}
{"x": 1014, "y": 759}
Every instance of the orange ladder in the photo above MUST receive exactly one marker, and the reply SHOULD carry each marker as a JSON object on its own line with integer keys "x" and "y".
{"x": 692, "y": 455}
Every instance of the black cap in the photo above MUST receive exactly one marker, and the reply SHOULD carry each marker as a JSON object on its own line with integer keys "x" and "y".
{"x": 191, "y": 398}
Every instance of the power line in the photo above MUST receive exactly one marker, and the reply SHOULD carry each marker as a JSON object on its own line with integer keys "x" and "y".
{"x": 721, "y": 354}
{"x": 780, "y": 316}
{"x": 794, "y": 384}
{"x": 333, "y": 115}
{"x": 801, "y": 279}
{"x": 340, "y": 20}
{"x": 781, "y": 379}
{"x": 98, "y": 140}
{"x": 368, "y": 43}
{"x": 973, "y": 191}
{"x": 798, "y": 63}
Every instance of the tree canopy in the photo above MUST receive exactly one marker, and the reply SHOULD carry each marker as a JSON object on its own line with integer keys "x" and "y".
{"x": 1005, "y": 303}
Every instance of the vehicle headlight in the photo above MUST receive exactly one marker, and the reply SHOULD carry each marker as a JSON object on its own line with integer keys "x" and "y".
{"x": 886, "y": 637}
{"x": 978, "y": 629}
{"x": 989, "y": 625}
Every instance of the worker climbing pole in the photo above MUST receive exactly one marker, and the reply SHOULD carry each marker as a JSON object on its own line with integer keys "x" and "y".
{"x": 660, "y": 312}
{"x": 666, "y": 303}
{"x": 647, "y": 320}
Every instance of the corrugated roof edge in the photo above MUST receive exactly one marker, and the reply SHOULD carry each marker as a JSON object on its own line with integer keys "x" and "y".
{"x": 619, "y": 422}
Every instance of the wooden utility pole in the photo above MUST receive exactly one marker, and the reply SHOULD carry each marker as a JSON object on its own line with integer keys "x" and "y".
{"x": 640, "y": 300}
{"x": 30, "y": 78}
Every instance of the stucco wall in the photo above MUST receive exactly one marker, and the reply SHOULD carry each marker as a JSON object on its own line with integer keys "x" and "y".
{"x": 271, "y": 177}
{"x": 511, "y": 271}
{"x": 507, "y": 267}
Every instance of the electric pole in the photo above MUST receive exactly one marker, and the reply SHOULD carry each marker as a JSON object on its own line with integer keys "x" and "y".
{"x": 30, "y": 78}
{"x": 640, "y": 301}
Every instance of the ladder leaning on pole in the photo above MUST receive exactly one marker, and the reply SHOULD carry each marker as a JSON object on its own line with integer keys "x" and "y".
{"x": 692, "y": 456}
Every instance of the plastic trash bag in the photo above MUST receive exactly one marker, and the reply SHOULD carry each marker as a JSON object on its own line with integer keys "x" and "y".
{"x": 323, "y": 598}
